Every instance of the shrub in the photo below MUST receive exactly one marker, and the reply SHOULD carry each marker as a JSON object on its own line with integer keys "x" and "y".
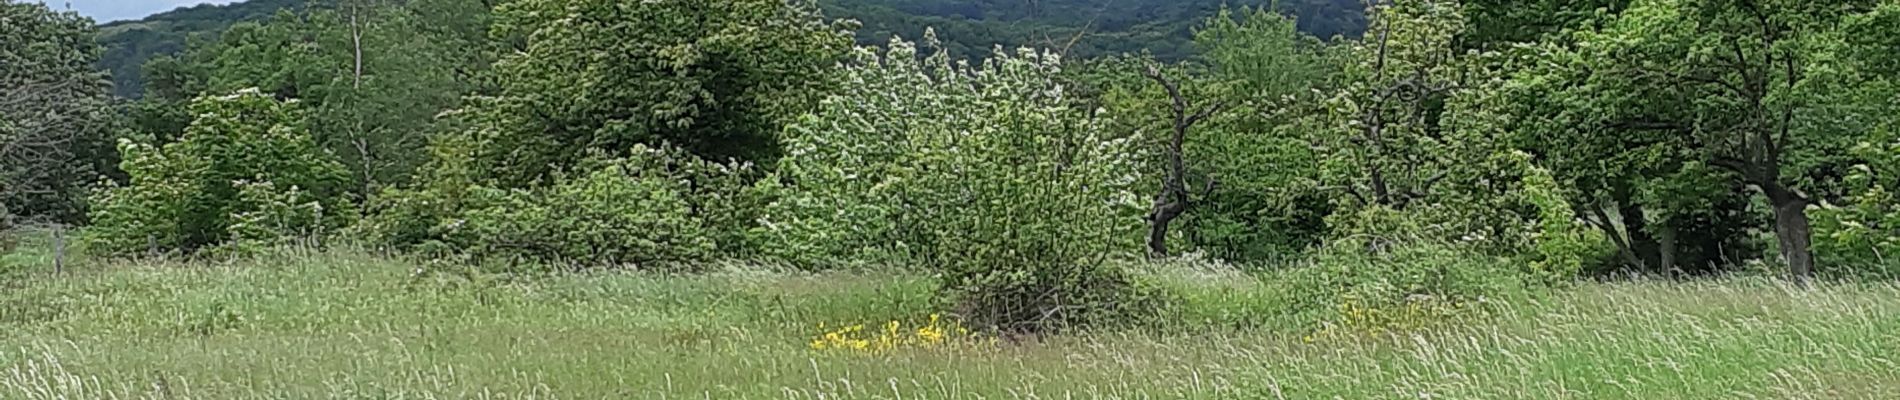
{"x": 269, "y": 216}
{"x": 652, "y": 207}
{"x": 1402, "y": 277}
{"x": 192, "y": 193}
{"x": 1406, "y": 286}
{"x": 1561, "y": 248}
{"x": 616, "y": 215}
{"x": 985, "y": 172}
{"x": 1860, "y": 238}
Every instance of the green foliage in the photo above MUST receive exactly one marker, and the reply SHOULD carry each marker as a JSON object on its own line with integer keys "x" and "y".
{"x": 1562, "y": 248}
{"x": 612, "y": 216}
{"x": 373, "y": 77}
{"x": 1250, "y": 168}
{"x": 1265, "y": 202}
{"x": 1860, "y": 237}
{"x": 652, "y": 208}
{"x": 985, "y": 172}
{"x": 1498, "y": 24}
{"x": 1758, "y": 89}
{"x": 129, "y": 45}
{"x": 970, "y": 27}
{"x": 717, "y": 78}
{"x": 247, "y": 169}
{"x": 55, "y": 114}
{"x": 269, "y": 216}
{"x": 1077, "y": 28}
{"x": 1380, "y": 136}
{"x": 1401, "y": 279}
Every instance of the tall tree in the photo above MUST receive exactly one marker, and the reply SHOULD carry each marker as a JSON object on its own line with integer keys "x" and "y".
{"x": 1748, "y": 86}
{"x": 718, "y": 78}
{"x": 55, "y": 114}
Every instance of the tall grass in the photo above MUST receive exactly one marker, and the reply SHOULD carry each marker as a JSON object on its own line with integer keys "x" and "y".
{"x": 349, "y": 325}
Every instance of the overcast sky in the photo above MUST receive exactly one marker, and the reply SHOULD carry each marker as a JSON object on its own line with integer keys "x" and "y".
{"x": 113, "y": 10}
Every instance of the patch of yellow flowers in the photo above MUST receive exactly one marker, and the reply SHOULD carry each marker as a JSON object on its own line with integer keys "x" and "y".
{"x": 1357, "y": 319}
{"x": 854, "y": 338}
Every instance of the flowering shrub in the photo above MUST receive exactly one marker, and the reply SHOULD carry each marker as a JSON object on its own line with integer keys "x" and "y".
{"x": 987, "y": 173}
{"x": 247, "y": 168}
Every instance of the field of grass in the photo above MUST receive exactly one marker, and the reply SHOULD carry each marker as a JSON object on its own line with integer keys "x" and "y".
{"x": 353, "y": 326}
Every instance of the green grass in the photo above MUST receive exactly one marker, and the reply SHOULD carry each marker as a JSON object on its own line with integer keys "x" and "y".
{"x": 345, "y": 325}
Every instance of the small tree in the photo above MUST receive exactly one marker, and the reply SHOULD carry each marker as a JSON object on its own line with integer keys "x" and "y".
{"x": 985, "y": 173}
{"x": 226, "y": 178}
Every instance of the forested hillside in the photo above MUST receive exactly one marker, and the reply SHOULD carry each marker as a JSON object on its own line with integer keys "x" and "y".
{"x": 128, "y": 44}
{"x": 1083, "y": 28}
{"x": 970, "y": 28}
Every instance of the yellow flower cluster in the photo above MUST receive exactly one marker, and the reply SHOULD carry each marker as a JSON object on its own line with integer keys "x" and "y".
{"x": 1356, "y": 319}
{"x": 935, "y": 333}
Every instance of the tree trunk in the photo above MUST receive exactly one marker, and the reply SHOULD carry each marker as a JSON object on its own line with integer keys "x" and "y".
{"x": 59, "y": 250}
{"x": 1610, "y": 228}
{"x": 356, "y": 43}
{"x": 1666, "y": 250}
{"x": 1174, "y": 198}
{"x": 1793, "y": 231}
{"x": 1158, "y": 228}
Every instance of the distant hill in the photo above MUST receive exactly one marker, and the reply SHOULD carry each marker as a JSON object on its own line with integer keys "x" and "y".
{"x": 969, "y": 28}
{"x": 128, "y": 44}
{"x": 1084, "y": 27}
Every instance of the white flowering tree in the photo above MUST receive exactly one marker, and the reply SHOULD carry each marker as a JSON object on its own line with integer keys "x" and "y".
{"x": 982, "y": 171}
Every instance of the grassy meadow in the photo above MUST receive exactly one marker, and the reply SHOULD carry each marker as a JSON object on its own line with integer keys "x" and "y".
{"x": 348, "y": 325}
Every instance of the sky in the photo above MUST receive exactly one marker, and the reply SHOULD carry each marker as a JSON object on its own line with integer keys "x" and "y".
{"x": 114, "y": 10}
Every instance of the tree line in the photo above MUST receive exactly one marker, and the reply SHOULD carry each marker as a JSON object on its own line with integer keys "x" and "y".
{"x": 1454, "y": 148}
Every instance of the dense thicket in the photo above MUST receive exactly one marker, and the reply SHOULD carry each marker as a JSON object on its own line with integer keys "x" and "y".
{"x": 246, "y": 172}
{"x": 1457, "y": 153}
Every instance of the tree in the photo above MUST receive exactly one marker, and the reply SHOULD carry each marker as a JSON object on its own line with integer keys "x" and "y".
{"x": 1859, "y": 233}
{"x": 986, "y": 172}
{"x": 1174, "y": 199}
{"x": 1498, "y": 24}
{"x": 717, "y": 78}
{"x": 1386, "y": 146}
{"x": 247, "y": 170}
{"x": 400, "y": 66}
{"x": 374, "y": 75}
{"x": 1747, "y": 86}
{"x": 1257, "y": 58}
{"x": 55, "y": 113}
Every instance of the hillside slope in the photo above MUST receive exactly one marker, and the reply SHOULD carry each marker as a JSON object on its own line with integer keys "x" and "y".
{"x": 969, "y": 28}
{"x": 128, "y": 44}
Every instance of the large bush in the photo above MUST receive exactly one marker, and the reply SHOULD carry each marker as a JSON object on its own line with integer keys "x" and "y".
{"x": 651, "y": 207}
{"x": 1860, "y": 237}
{"x": 984, "y": 172}
{"x": 245, "y": 169}
{"x": 716, "y": 78}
